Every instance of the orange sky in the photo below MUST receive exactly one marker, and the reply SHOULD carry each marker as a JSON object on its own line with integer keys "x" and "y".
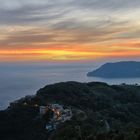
{"x": 84, "y": 53}
{"x": 69, "y": 31}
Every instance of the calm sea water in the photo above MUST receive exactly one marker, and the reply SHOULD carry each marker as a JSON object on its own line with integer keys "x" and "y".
{"x": 18, "y": 80}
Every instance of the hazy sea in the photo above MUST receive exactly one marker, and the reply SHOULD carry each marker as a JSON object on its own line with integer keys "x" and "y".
{"x": 18, "y": 80}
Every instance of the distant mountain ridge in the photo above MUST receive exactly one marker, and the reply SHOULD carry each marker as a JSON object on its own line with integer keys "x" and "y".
{"x": 123, "y": 69}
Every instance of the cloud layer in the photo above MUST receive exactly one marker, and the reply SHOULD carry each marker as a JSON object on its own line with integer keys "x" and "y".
{"x": 95, "y": 26}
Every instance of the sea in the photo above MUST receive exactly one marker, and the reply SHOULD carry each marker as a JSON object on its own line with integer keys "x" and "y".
{"x": 20, "y": 79}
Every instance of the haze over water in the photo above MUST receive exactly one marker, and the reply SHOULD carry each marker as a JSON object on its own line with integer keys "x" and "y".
{"x": 63, "y": 31}
{"x": 18, "y": 80}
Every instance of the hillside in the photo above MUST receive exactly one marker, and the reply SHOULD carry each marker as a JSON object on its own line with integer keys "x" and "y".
{"x": 100, "y": 112}
{"x": 126, "y": 69}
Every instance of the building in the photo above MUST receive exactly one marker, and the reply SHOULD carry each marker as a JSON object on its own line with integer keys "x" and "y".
{"x": 60, "y": 115}
{"x": 43, "y": 110}
{"x": 50, "y": 126}
{"x": 56, "y": 107}
{"x": 66, "y": 115}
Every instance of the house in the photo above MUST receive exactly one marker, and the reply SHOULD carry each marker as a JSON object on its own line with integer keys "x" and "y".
{"x": 66, "y": 115}
{"x": 43, "y": 110}
{"x": 56, "y": 107}
{"x": 60, "y": 115}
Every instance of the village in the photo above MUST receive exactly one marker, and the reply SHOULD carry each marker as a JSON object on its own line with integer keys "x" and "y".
{"x": 60, "y": 114}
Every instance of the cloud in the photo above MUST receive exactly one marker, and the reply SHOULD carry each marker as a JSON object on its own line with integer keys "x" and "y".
{"x": 70, "y": 23}
{"x": 48, "y": 11}
{"x": 108, "y": 5}
{"x": 65, "y": 32}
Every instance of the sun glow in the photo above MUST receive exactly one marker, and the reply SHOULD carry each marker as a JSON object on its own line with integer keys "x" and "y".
{"x": 64, "y": 54}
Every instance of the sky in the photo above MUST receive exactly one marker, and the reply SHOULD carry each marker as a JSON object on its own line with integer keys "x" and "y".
{"x": 69, "y": 30}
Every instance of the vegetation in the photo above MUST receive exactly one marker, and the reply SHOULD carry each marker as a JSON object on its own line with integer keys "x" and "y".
{"x": 100, "y": 112}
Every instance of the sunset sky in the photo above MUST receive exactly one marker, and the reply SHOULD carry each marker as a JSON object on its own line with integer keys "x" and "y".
{"x": 62, "y": 30}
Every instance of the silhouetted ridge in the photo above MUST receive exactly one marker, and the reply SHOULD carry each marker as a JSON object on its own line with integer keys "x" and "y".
{"x": 124, "y": 69}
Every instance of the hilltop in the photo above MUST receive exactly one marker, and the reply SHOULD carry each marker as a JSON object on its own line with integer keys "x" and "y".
{"x": 124, "y": 69}
{"x": 100, "y": 111}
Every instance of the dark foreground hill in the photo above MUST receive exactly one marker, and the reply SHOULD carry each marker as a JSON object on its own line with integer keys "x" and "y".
{"x": 126, "y": 69}
{"x": 100, "y": 112}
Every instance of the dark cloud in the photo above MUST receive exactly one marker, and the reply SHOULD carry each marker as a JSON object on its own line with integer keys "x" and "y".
{"x": 29, "y": 14}
{"x": 23, "y": 11}
{"x": 108, "y": 4}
